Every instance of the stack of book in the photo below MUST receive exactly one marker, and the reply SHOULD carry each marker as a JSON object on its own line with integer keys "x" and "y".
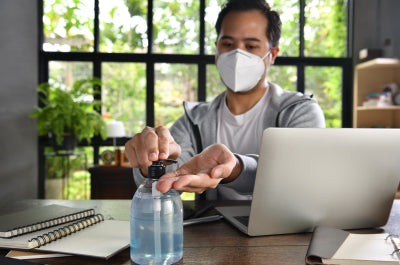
{"x": 63, "y": 230}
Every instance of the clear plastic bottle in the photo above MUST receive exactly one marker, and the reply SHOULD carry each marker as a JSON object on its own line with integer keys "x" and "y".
{"x": 156, "y": 222}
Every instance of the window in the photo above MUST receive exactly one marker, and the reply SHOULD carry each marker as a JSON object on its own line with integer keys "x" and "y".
{"x": 151, "y": 55}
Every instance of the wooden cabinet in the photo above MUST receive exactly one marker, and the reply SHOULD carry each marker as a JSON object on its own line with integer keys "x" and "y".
{"x": 112, "y": 182}
{"x": 371, "y": 77}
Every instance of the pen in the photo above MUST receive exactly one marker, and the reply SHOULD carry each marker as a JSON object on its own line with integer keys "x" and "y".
{"x": 202, "y": 220}
{"x": 396, "y": 243}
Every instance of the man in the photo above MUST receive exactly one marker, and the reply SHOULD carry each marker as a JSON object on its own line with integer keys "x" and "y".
{"x": 217, "y": 144}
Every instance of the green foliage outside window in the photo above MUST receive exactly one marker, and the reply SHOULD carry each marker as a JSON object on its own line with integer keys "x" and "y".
{"x": 325, "y": 30}
{"x": 176, "y": 26}
{"x": 123, "y": 26}
{"x": 68, "y": 25}
{"x": 124, "y": 94}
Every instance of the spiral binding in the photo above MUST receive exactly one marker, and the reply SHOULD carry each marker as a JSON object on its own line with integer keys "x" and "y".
{"x": 395, "y": 244}
{"x": 64, "y": 231}
{"x": 52, "y": 222}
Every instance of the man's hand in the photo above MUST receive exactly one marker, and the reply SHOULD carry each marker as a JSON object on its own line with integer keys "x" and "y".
{"x": 204, "y": 171}
{"x": 150, "y": 145}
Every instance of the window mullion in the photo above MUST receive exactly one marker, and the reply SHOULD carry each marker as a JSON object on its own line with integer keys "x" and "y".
{"x": 150, "y": 26}
{"x": 202, "y": 27}
{"x": 300, "y": 78}
{"x": 96, "y": 26}
{"x": 301, "y": 29}
{"x": 300, "y": 67}
{"x": 201, "y": 78}
{"x": 150, "y": 75}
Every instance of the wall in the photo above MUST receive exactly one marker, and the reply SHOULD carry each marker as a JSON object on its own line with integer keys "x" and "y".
{"x": 18, "y": 80}
{"x": 376, "y": 27}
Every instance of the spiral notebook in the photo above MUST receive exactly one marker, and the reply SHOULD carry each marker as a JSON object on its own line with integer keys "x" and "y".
{"x": 38, "y": 218}
{"x": 86, "y": 233}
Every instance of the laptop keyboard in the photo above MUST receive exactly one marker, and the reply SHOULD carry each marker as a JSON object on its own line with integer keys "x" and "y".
{"x": 243, "y": 219}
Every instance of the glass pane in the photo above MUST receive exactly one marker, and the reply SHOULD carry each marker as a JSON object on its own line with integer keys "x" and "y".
{"x": 68, "y": 25}
{"x": 325, "y": 83}
{"x": 67, "y": 72}
{"x": 284, "y": 76}
{"x": 176, "y": 26}
{"x": 123, "y": 26}
{"x": 174, "y": 83}
{"x": 289, "y": 12}
{"x": 214, "y": 85}
{"x": 67, "y": 176}
{"x": 325, "y": 31}
{"x": 124, "y": 94}
{"x": 213, "y": 7}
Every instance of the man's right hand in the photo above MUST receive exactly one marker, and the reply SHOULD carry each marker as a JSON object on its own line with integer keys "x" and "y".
{"x": 150, "y": 145}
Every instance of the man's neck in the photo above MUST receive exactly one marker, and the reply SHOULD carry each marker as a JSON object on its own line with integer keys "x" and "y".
{"x": 239, "y": 103}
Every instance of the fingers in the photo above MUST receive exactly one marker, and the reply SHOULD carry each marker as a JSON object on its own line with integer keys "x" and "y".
{"x": 195, "y": 183}
{"x": 201, "y": 172}
{"x": 187, "y": 183}
{"x": 163, "y": 142}
{"x": 132, "y": 153}
{"x": 151, "y": 144}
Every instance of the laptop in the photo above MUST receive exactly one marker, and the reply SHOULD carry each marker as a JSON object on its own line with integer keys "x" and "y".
{"x": 342, "y": 178}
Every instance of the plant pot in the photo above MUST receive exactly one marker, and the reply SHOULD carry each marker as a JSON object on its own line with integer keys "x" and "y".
{"x": 69, "y": 142}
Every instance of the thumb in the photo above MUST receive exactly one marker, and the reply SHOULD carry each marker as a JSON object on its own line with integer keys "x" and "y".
{"x": 220, "y": 171}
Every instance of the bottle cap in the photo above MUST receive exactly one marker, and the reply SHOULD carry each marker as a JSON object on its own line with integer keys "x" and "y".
{"x": 157, "y": 169}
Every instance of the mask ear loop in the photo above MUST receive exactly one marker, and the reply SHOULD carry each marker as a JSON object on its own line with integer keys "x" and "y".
{"x": 268, "y": 53}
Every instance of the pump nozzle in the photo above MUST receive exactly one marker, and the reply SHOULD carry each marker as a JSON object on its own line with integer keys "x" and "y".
{"x": 157, "y": 169}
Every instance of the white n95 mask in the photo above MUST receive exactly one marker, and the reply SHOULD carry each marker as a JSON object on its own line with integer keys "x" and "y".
{"x": 240, "y": 70}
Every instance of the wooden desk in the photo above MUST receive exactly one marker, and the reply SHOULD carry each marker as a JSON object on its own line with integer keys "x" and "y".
{"x": 210, "y": 243}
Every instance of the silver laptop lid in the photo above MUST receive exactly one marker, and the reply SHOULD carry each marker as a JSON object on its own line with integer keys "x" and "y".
{"x": 344, "y": 178}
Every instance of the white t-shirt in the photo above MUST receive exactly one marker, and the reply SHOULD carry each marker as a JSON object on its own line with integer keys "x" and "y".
{"x": 242, "y": 133}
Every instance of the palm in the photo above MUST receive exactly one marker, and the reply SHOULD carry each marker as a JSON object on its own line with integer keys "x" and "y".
{"x": 203, "y": 171}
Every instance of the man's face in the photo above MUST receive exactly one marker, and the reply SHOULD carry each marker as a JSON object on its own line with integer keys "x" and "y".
{"x": 246, "y": 30}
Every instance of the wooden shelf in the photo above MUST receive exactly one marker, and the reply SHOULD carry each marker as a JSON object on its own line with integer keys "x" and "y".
{"x": 372, "y": 77}
{"x": 380, "y": 63}
{"x": 395, "y": 108}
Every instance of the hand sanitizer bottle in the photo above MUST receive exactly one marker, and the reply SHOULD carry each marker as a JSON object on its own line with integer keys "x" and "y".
{"x": 156, "y": 221}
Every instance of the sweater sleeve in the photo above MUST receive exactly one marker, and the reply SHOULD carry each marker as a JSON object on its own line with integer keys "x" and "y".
{"x": 244, "y": 183}
{"x": 138, "y": 176}
{"x": 307, "y": 114}
{"x": 183, "y": 134}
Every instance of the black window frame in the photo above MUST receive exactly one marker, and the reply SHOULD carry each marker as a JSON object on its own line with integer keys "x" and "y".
{"x": 201, "y": 60}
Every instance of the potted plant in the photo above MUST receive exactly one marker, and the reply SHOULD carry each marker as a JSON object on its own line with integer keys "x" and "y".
{"x": 70, "y": 112}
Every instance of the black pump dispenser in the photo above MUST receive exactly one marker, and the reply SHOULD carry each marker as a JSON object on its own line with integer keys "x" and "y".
{"x": 157, "y": 168}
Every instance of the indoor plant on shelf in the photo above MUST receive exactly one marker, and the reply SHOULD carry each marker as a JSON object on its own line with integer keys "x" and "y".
{"x": 70, "y": 112}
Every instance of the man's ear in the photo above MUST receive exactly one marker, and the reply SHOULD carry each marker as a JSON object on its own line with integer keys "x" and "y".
{"x": 274, "y": 52}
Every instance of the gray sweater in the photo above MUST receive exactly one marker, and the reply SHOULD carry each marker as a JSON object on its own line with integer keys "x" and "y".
{"x": 197, "y": 129}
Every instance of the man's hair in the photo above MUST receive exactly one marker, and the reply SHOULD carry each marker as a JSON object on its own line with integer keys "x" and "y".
{"x": 274, "y": 21}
